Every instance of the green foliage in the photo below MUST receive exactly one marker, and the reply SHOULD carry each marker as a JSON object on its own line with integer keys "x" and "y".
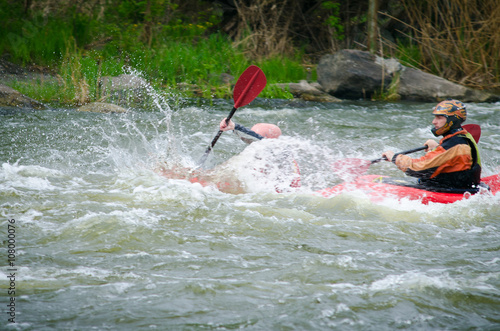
{"x": 44, "y": 91}
{"x": 180, "y": 54}
{"x": 38, "y": 40}
{"x": 333, "y": 20}
{"x": 408, "y": 54}
{"x": 132, "y": 10}
{"x": 284, "y": 69}
{"x": 391, "y": 93}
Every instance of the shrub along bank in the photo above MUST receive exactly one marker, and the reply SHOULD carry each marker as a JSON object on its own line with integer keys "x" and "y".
{"x": 188, "y": 43}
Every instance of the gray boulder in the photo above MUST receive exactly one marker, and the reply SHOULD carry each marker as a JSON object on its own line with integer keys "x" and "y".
{"x": 421, "y": 86}
{"x": 102, "y": 107}
{"x": 353, "y": 74}
{"x": 308, "y": 92}
{"x": 124, "y": 89}
{"x": 122, "y": 82}
{"x": 12, "y": 98}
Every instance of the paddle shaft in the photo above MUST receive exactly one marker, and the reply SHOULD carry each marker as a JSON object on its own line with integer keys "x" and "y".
{"x": 212, "y": 144}
{"x": 241, "y": 100}
{"x": 473, "y": 129}
{"x": 248, "y": 86}
{"x": 421, "y": 148}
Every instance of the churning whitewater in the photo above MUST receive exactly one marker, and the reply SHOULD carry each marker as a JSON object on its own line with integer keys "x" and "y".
{"x": 103, "y": 241}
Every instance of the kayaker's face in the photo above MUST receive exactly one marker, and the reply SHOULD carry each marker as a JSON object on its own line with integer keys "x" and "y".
{"x": 439, "y": 121}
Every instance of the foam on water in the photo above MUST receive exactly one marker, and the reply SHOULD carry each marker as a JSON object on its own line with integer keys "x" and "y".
{"x": 105, "y": 242}
{"x": 17, "y": 176}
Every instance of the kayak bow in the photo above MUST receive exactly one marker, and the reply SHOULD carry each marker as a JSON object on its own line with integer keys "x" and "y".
{"x": 381, "y": 187}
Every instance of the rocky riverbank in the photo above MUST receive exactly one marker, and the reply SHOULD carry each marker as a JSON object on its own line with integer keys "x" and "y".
{"x": 345, "y": 75}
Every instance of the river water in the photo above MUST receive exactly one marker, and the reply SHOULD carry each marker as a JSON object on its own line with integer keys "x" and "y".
{"x": 103, "y": 242}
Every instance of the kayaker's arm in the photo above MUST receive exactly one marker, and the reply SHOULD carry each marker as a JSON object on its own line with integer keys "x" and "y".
{"x": 247, "y": 135}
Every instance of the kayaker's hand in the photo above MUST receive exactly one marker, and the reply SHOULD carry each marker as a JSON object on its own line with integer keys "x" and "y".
{"x": 226, "y": 127}
{"x": 431, "y": 144}
{"x": 388, "y": 155}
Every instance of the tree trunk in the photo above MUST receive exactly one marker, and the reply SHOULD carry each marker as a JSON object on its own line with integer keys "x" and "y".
{"x": 371, "y": 25}
{"x": 27, "y": 5}
{"x": 148, "y": 33}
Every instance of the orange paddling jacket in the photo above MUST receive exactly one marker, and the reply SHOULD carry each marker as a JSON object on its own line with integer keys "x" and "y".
{"x": 454, "y": 163}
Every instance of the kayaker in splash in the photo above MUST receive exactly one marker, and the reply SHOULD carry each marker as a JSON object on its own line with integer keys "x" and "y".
{"x": 258, "y": 167}
{"x": 264, "y": 165}
{"x": 454, "y": 162}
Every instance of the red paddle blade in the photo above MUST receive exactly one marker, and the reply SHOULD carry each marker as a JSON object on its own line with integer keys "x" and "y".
{"x": 350, "y": 168}
{"x": 251, "y": 82}
{"x": 474, "y": 130}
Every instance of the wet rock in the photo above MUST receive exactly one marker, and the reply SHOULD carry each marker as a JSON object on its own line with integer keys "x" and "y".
{"x": 102, "y": 107}
{"x": 308, "y": 92}
{"x": 12, "y": 98}
{"x": 354, "y": 74}
{"x": 351, "y": 74}
{"x": 420, "y": 86}
{"x": 10, "y": 72}
{"x": 124, "y": 89}
{"x": 122, "y": 82}
{"x": 7, "y": 68}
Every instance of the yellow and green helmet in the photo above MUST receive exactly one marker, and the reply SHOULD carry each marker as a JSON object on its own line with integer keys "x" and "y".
{"x": 455, "y": 113}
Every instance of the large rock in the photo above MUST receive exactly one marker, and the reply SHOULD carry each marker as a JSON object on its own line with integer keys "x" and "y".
{"x": 421, "y": 86}
{"x": 122, "y": 82}
{"x": 10, "y": 73}
{"x": 124, "y": 89}
{"x": 353, "y": 74}
{"x": 12, "y": 98}
{"x": 308, "y": 92}
{"x": 102, "y": 107}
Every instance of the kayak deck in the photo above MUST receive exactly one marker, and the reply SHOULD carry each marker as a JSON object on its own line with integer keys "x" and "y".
{"x": 381, "y": 187}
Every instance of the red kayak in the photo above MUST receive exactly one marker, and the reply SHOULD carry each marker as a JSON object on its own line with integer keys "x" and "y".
{"x": 380, "y": 187}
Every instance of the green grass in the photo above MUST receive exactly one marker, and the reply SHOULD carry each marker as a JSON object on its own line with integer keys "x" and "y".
{"x": 409, "y": 54}
{"x": 179, "y": 54}
{"x": 165, "y": 67}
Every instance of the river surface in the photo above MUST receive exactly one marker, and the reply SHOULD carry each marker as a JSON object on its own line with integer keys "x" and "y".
{"x": 103, "y": 242}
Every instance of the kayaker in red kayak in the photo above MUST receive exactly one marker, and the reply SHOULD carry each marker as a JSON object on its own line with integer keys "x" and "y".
{"x": 454, "y": 162}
